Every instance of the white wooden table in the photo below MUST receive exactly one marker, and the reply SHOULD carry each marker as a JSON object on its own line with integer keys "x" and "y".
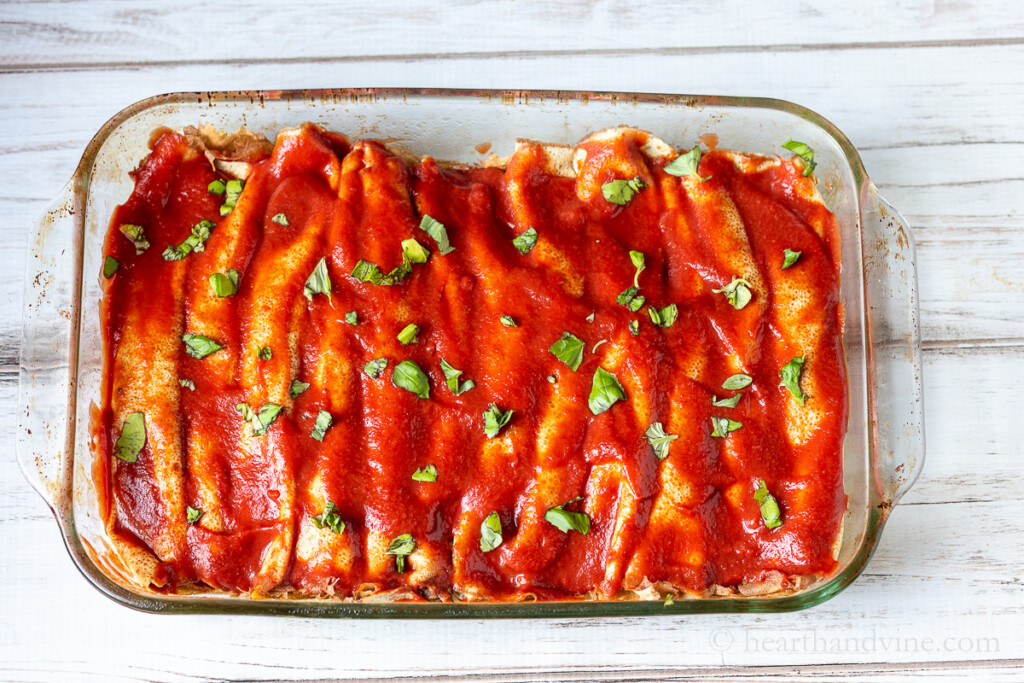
{"x": 930, "y": 91}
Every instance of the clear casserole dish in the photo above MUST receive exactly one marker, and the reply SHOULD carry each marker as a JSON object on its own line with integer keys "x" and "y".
{"x": 61, "y": 361}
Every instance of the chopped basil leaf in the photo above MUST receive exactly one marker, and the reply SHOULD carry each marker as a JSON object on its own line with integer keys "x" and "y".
{"x": 375, "y": 367}
{"x": 198, "y": 346}
{"x": 280, "y": 219}
{"x": 638, "y": 262}
{"x": 726, "y": 402}
{"x": 323, "y": 422}
{"x": 428, "y": 473}
{"x": 319, "y": 281}
{"x": 407, "y": 375}
{"x": 659, "y": 440}
{"x": 722, "y": 426}
{"x": 790, "y": 374}
{"x": 398, "y": 273}
{"x": 686, "y": 164}
{"x": 490, "y": 533}
{"x": 621, "y": 192}
{"x": 264, "y": 353}
{"x": 408, "y": 334}
{"x": 605, "y": 391}
{"x": 246, "y": 410}
{"x": 261, "y": 420}
{"x": 187, "y": 384}
{"x": 637, "y": 303}
{"x": 133, "y": 437}
{"x": 451, "y": 377}
{"x": 627, "y": 296}
{"x": 297, "y": 388}
{"x": 436, "y": 230}
{"x": 739, "y": 381}
{"x": 666, "y": 317}
{"x": 565, "y": 520}
{"x": 232, "y": 191}
{"x": 495, "y": 419}
{"x": 193, "y": 515}
{"x": 196, "y": 241}
{"x": 737, "y": 292}
{"x": 669, "y": 601}
{"x": 224, "y": 284}
{"x": 804, "y": 152}
{"x": 110, "y": 266}
{"x": 525, "y": 241}
{"x": 590, "y": 318}
{"x": 365, "y": 271}
{"x": 769, "y": 507}
{"x": 790, "y": 257}
{"x": 569, "y": 350}
{"x": 352, "y": 318}
{"x": 508, "y": 321}
{"x": 401, "y": 547}
{"x": 216, "y": 187}
{"x": 329, "y": 518}
{"x": 136, "y": 235}
{"x": 552, "y": 379}
{"x": 634, "y": 327}
{"x": 415, "y": 251}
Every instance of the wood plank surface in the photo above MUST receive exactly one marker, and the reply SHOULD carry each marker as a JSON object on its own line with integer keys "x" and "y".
{"x": 930, "y": 91}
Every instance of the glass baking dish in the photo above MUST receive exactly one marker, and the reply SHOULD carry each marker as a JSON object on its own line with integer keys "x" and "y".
{"x": 61, "y": 360}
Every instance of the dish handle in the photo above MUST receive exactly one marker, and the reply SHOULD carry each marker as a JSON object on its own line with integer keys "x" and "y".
{"x": 45, "y": 392}
{"x": 893, "y": 312}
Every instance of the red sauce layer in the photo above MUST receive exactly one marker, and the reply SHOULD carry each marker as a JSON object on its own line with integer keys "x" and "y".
{"x": 690, "y": 520}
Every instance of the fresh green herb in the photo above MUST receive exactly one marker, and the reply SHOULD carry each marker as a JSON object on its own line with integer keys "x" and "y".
{"x": 322, "y": 424}
{"x": 436, "y": 230}
{"x": 329, "y": 519}
{"x": 508, "y": 321}
{"x": 490, "y": 533}
{"x": 398, "y": 273}
{"x": 565, "y": 520}
{"x": 637, "y": 258}
{"x": 722, "y": 426}
{"x": 224, "y": 284}
{"x": 232, "y": 191}
{"x": 605, "y": 391}
{"x": 408, "y": 376}
{"x": 110, "y": 266}
{"x": 401, "y": 548}
{"x": 132, "y": 439}
{"x": 621, "y": 192}
{"x": 216, "y": 187}
{"x": 451, "y": 377}
{"x": 669, "y": 601}
{"x": 739, "y": 381}
{"x": 790, "y": 375}
{"x": 552, "y": 379}
{"x": 187, "y": 384}
{"x": 634, "y": 327}
{"x": 193, "y": 515}
{"x": 198, "y": 346}
{"x": 630, "y": 300}
{"x": 769, "y": 507}
{"x": 297, "y": 388}
{"x": 428, "y": 473}
{"x": 415, "y": 251}
{"x": 726, "y": 402}
{"x": 666, "y": 317}
{"x": 408, "y": 334}
{"x": 196, "y": 241}
{"x": 686, "y": 164}
{"x": 375, "y": 367}
{"x": 737, "y": 292}
{"x": 495, "y": 419}
{"x": 352, "y": 318}
{"x": 526, "y": 241}
{"x": 804, "y": 152}
{"x": 569, "y": 350}
{"x": 790, "y": 257}
{"x": 319, "y": 281}
{"x": 137, "y": 236}
{"x": 261, "y": 420}
{"x": 365, "y": 271}
{"x": 659, "y": 440}
{"x": 265, "y": 353}
{"x": 280, "y": 219}
{"x": 590, "y": 318}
